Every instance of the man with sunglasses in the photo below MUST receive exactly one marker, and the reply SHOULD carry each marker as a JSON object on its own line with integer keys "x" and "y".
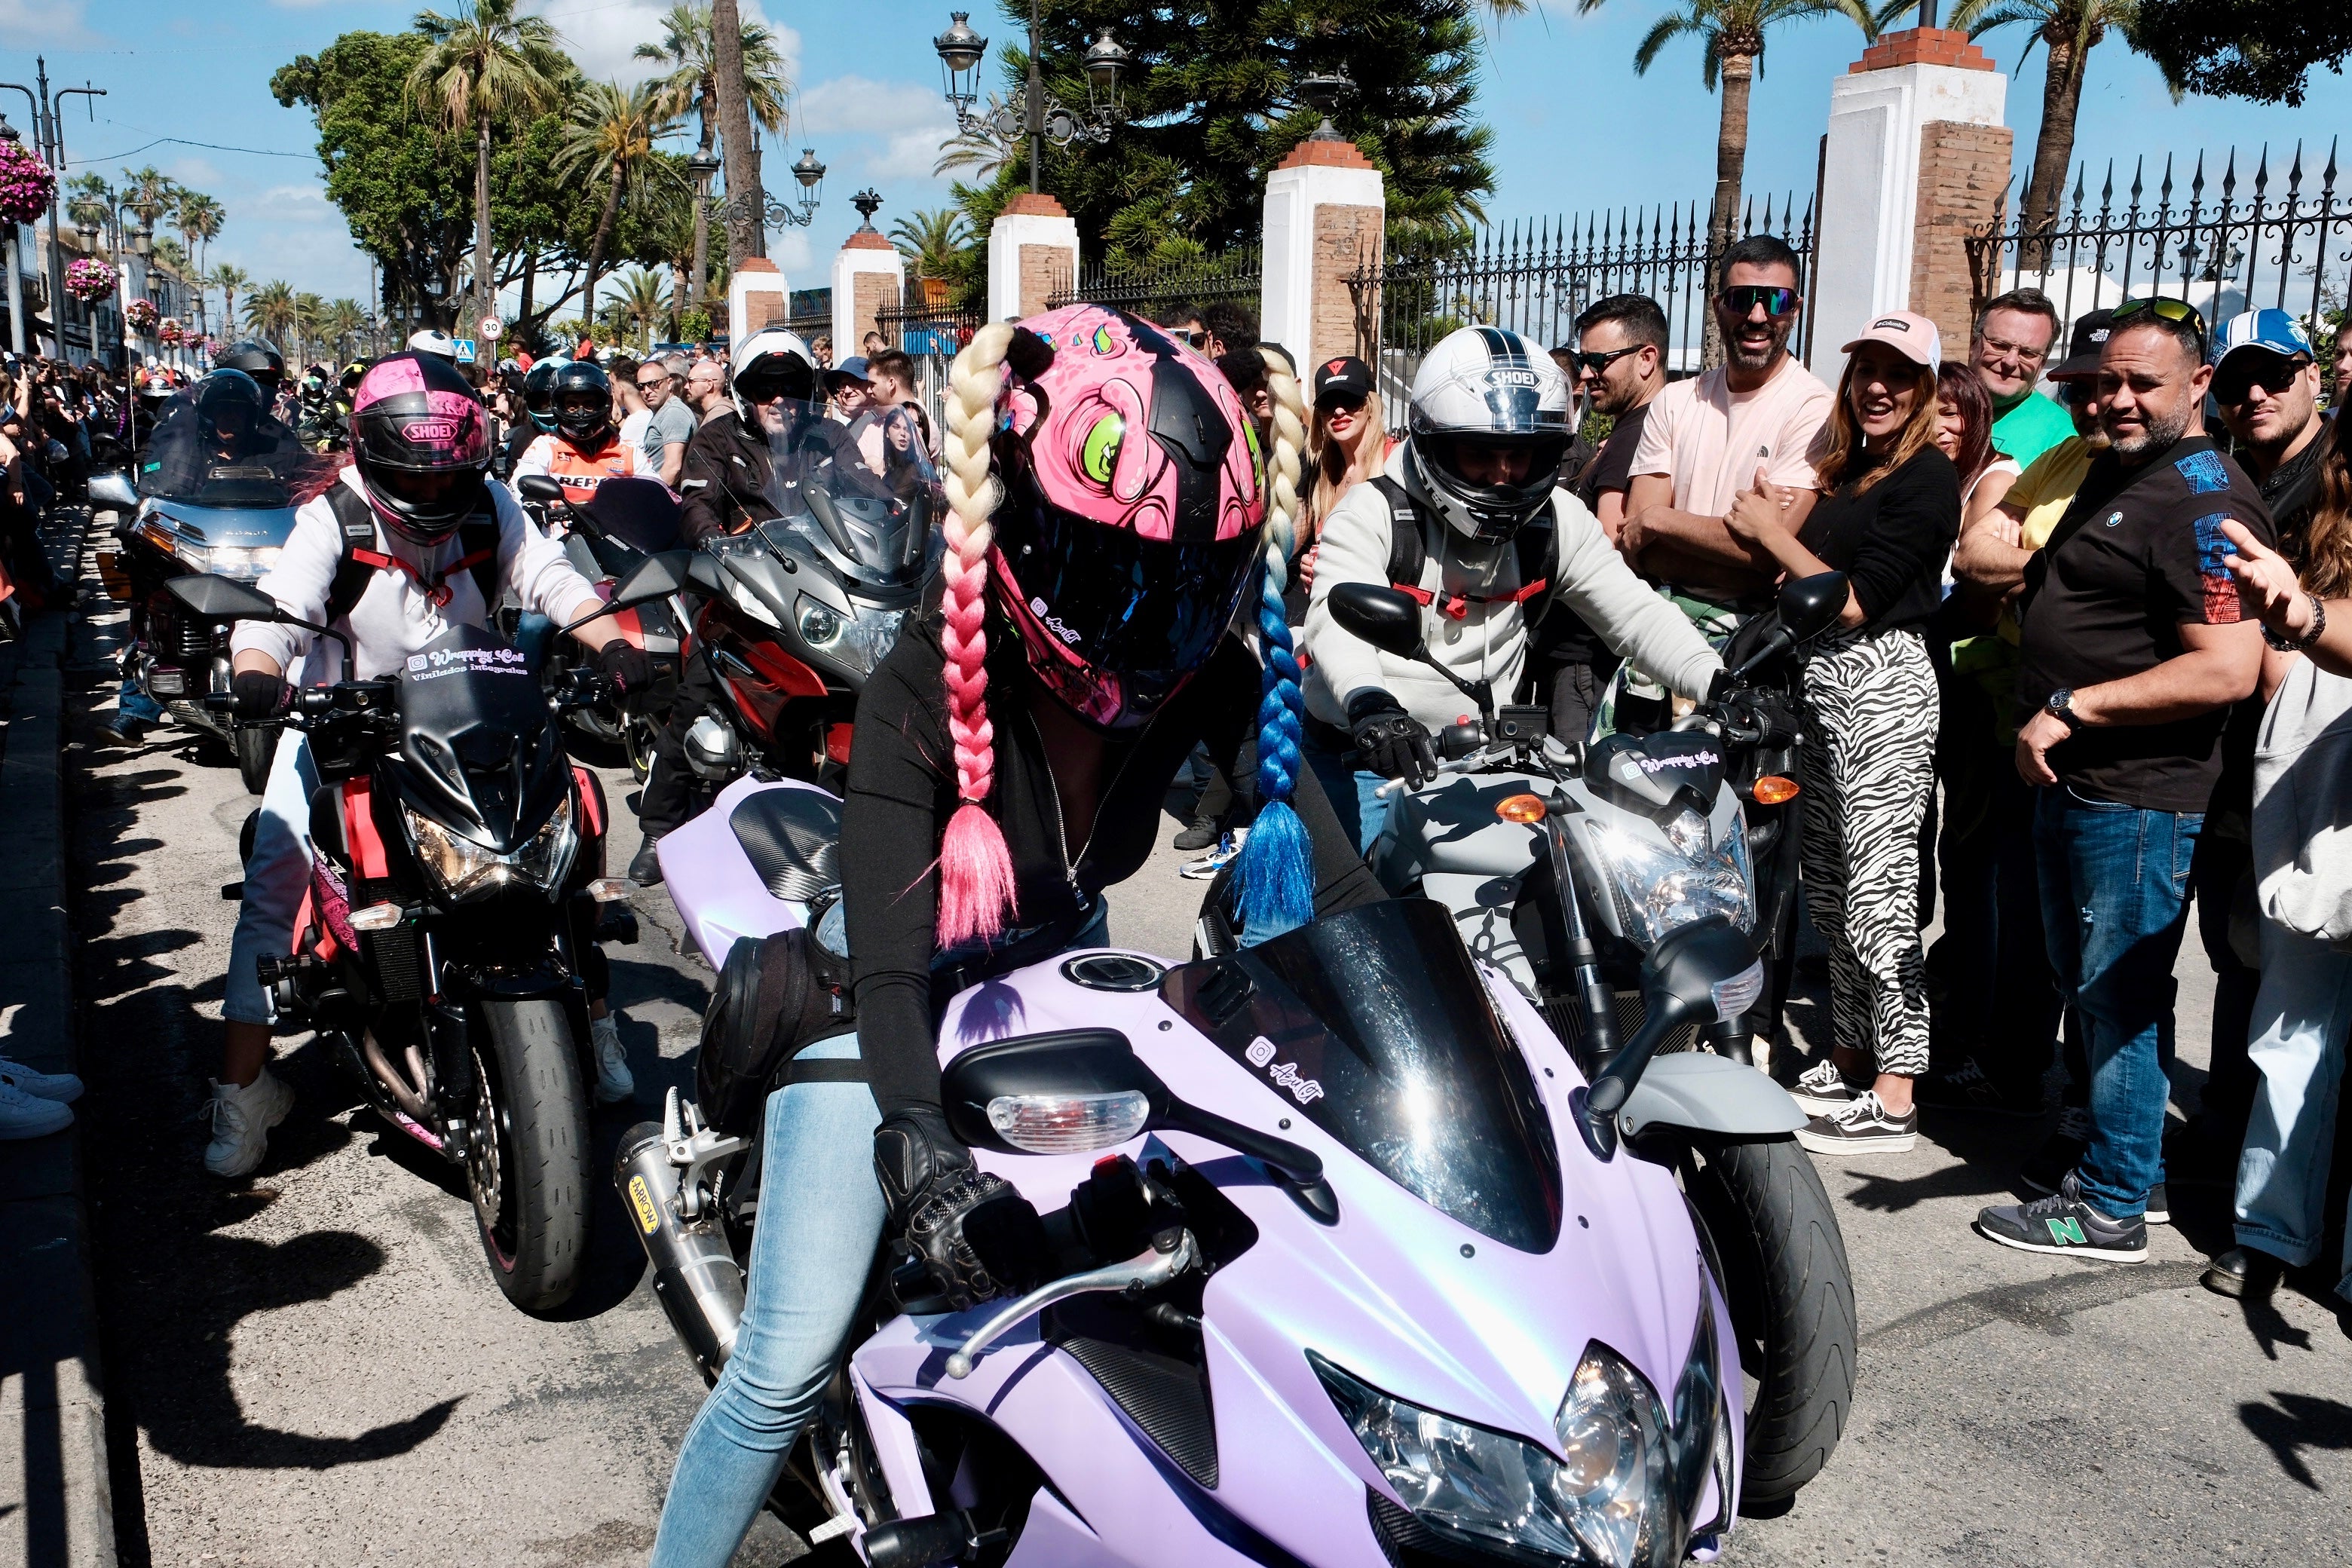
{"x": 2135, "y": 647}
{"x": 672, "y": 424}
{"x": 1706, "y": 440}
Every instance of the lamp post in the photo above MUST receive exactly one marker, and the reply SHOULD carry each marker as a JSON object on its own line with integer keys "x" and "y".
{"x": 48, "y": 137}
{"x": 810, "y": 172}
{"x": 704, "y": 168}
{"x": 1034, "y": 112}
{"x": 8, "y": 264}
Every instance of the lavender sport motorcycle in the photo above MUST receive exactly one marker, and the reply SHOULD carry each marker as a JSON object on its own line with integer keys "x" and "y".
{"x": 1356, "y": 1266}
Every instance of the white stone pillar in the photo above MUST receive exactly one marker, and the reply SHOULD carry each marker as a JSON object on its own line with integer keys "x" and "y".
{"x": 1324, "y": 209}
{"x": 1033, "y": 252}
{"x": 1904, "y": 108}
{"x": 756, "y": 298}
{"x": 868, "y": 276}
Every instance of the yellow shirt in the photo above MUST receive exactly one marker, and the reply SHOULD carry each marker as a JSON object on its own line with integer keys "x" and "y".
{"x": 2047, "y": 489}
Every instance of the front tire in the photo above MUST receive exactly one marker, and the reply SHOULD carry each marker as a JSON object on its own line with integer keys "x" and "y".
{"x": 1781, "y": 1260}
{"x": 257, "y": 749}
{"x": 528, "y": 1168}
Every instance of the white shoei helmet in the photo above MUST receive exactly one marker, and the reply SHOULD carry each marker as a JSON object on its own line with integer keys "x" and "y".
{"x": 769, "y": 363}
{"x": 1481, "y": 395}
{"x": 435, "y": 342}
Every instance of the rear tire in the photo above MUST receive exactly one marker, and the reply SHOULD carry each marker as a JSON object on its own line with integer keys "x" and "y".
{"x": 527, "y": 1169}
{"x": 257, "y": 749}
{"x": 1781, "y": 1262}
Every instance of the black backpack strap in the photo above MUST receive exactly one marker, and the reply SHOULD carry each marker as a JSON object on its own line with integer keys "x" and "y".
{"x": 477, "y": 544}
{"x": 356, "y": 522}
{"x": 1406, "y": 553}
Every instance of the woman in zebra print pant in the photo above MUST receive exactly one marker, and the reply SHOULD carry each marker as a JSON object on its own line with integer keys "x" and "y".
{"x": 1888, "y": 513}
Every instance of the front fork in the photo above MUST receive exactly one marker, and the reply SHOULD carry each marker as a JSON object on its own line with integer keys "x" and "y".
{"x": 1583, "y": 958}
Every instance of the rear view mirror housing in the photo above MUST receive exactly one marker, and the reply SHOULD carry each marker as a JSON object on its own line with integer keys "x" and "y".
{"x": 1388, "y": 619}
{"x": 657, "y": 577}
{"x": 540, "y": 487}
{"x": 1704, "y": 973}
{"x": 113, "y": 489}
{"x": 1811, "y": 606}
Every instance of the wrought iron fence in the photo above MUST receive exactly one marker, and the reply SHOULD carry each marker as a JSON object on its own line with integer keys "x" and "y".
{"x": 810, "y": 328}
{"x": 2222, "y": 252}
{"x": 930, "y": 335}
{"x": 1154, "y": 292}
{"x": 1535, "y": 277}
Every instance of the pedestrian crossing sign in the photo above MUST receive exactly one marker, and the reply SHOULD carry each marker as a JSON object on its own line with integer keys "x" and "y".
{"x": 465, "y": 350}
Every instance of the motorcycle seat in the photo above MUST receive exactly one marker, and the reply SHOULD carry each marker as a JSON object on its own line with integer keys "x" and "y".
{"x": 793, "y": 838}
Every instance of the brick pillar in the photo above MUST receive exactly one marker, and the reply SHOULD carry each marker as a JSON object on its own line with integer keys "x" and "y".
{"x": 1325, "y": 211}
{"x": 756, "y": 298}
{"x": 867, "y": 277}
{"x": 1912, "y": 137}
{"x": 1033, "y": 252}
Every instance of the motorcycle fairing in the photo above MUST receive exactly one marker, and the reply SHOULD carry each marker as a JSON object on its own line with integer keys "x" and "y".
{"x": 719, "y": 894}
{"x": 1656, "y": 775}
{"x": 476, "y": 751}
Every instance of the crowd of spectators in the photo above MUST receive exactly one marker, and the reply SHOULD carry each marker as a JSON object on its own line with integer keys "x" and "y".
{"x": 57, "y": 422}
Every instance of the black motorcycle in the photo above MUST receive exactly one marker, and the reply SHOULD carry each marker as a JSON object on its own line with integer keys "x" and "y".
{"x": 458, "y": 864}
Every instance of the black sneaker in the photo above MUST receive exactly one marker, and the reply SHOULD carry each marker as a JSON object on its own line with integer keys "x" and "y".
{"x": 2063, "y": 1222}
{"x": 2159, "y": 1210}
{"x": 1862, "y": 1127}
{"x": 2247, "y": 1273}
{"x": 1202, "y": 833}
{"x": 2059, "y": 1153}
{"x": 1821, "y": 1089}
{"x": 1966, "y": 1088}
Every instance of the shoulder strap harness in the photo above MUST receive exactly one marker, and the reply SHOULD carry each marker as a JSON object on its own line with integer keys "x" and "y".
{"x": 1407, "y": 557}
{"x": 478, "y": 536}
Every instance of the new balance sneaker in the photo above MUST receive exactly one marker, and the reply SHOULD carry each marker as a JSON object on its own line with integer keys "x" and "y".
{"x": 1821, "y": 1088}
{"x": 241, "y": 1119}
{"x": 2059, "y": 1153}
{"x": 61, "y": 1087}
{"x": 1197, "y": 834}
{"x": 1864, "y": 1126}
{"x": 24, "y": 1115}
{"x": 1966, "y": 1088}
{"x": 614, "y": 1082}
{"x": 2063, "y": 1222}
{"x": 1215, "y": 860}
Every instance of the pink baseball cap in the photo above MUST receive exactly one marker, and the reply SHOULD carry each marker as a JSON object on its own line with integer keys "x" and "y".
{"x": 1913, "y": 334}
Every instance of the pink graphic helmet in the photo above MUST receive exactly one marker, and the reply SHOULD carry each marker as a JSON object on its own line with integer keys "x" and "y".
{"x": 1134, "y": 502}
{"x": 422, "y": 442}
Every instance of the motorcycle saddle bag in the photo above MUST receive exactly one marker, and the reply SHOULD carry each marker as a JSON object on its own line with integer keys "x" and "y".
{"x": 776, "y": 995}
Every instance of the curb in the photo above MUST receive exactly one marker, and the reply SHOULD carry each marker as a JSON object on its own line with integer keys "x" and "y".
{"x": 56, "y": 1503}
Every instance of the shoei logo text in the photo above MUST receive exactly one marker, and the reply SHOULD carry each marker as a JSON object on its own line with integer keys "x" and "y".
{"x": 1303, "y": 1089}
{"x": 1657, "y": 765}
{"x": 429, "y": 431}
{"x": 1510, "y": 378}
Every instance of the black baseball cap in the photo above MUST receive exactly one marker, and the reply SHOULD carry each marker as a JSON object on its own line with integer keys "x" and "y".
{"x": 2091, "y": 331}
{"x": 1346, "y": 373}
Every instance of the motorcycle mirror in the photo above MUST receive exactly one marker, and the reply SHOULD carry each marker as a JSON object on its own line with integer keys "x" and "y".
{"x": 655, "y": 577}
{"x": 224, "y": 599}
{"x": 1811, "y": 606}
{"x": 703, "y": 573}
{"x": 540, "y": 487}
{"x": 1388, "y": 619}
{"x": 113, "y": 489}
{"x": 1704, "y": 973}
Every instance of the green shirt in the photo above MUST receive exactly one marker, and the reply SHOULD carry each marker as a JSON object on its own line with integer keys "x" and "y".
{"x": 2032, "y": 426}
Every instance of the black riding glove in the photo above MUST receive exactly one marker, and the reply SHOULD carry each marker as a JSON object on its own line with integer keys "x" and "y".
{"x": 1392, "y": 743}
{"x": 627, "y": 665}
{"x": 258, "y": 697}
{"x": 978, "y": 1236}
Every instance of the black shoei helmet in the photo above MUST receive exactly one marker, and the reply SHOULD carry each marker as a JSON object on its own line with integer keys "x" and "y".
{"x": 230, "y": 402}
{"x": 539, "y": 394}
{"x": 257, "y": 360}
{"x": 583, "y": 395}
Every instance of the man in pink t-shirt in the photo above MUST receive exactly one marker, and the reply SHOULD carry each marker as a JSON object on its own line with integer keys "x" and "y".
{"x": 1709, "y": 439}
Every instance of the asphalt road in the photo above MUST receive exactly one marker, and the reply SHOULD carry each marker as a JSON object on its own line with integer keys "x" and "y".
{"x": 315, "y": 1367}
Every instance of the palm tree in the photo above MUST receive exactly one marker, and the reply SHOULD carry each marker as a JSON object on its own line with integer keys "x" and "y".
{"x": 308, "y": 310}
{"x": 610, "y": 139}
{"x": 273, "y": 312}
{"x": 641, "y": 302}
{"x": 340, "y": 324}
{"x": 149, "y": 193}
{"x": 2069, "y": 29}
{"x": 980, "y": 149}
{"x": 228, "y": 280}
{"x": 691, "y": 86}
{"x": 198, "y": 218}
{"x": 931, "y": 242}
{"x": 486, "y": 61}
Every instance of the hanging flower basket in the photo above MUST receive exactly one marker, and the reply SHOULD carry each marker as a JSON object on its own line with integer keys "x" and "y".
{"x": 89, "y": 279}
{"x": 26, "y": 184}
{"x": 141, "y": 315}
{"x": 169, "y": 333}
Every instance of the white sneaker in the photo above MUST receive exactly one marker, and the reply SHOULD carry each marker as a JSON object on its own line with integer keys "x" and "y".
{"x": 24, "y": 1115}
{"x": 613, "y": 1081}
{"x": 241, "y": 1119}
{"x": 61, "y": 1087}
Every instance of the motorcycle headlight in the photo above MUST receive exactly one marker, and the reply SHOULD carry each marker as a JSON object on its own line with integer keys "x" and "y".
{"x": 748, "y": 600}
{"x": 1661, "y": 888}
{"x": 859, "y": 643}
{"x": 1608, "y": 1503}
{"x": 228, "y": 560}
{"x": 466, "y": 870}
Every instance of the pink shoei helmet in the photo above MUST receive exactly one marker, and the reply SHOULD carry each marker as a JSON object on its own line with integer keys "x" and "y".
{"x": 420, "y": 440}
{"x": 1134, "y": 502}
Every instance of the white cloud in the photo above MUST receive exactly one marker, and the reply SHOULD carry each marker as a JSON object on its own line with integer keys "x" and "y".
{"x": 603, "y": 34}
{"x": 56, "y": 24}
{"x": 912, "y": 122}
{"x": 305, "y": 202}
{"x": 194, "y": 171}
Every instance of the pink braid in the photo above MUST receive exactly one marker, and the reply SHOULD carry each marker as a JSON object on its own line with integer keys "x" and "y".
{"x": 976, "y": 886}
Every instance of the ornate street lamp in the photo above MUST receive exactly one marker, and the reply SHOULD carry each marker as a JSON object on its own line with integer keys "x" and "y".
{"x": 704, "y": 168}
{"x": 1034, "y": 111}
{"x": 961, "y": 49}
{"x": 810, "y": 172}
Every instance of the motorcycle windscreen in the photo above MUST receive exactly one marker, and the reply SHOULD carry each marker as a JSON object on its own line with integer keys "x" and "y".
{"x": 863, "y": 497}
{"x": 193, "y": 459}
{"x": 478, "y": 751}
{"x": 1373, "y": 1024}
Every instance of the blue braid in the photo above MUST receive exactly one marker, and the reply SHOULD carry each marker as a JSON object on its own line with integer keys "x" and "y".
{"x": 1277, "y": 868}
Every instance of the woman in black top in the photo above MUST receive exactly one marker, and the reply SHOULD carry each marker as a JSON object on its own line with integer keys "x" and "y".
{"x": 1888, "y": 513}
{"x": 1111, "y": 511}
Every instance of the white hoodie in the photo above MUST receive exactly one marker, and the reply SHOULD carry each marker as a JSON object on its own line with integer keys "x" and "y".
{"x": 1490, "y": 641}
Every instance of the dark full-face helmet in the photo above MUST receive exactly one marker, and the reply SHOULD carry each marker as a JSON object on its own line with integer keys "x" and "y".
{"x": 264, "y": 363}
{"x": 583, "y": 395}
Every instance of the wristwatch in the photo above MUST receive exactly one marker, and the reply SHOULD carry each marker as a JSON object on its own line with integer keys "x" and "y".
{"x": 2296, "y": 645}
{"x": 2060, "y": 706}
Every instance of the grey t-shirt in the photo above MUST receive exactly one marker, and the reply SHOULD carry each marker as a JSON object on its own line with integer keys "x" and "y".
{"x": 672, "y": 425}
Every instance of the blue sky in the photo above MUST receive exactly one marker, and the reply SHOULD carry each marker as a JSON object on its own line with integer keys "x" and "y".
{"x": 1575, "y": 129}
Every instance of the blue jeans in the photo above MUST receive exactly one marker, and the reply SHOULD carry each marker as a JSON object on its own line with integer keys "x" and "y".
{"x": 277, "y": 875}
{"x": 2114, "y": 902}
{"x": 132, "y": 705}
{"x": 1353, "y": 792}
{"x": 2300, "y": 1015}
{"x": 534, "y": 634}
{"x": 810, "y": 1255}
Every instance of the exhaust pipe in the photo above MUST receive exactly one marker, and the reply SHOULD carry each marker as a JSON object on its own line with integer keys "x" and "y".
{"x": 695, "y": 1272}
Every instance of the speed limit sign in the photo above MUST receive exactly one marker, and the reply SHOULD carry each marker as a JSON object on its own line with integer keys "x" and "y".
{"x": 492, "y": 329}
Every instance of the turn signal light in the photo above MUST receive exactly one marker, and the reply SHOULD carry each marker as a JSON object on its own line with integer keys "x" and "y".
{"x": 610, "y": 889}
{"x": 1772, "y": 790}
{"x": 1524, "y": 809}
{"x": 377, "y": 917}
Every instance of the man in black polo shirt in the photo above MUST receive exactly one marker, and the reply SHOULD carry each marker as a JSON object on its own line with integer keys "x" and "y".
{"x": 2134, "y": 650}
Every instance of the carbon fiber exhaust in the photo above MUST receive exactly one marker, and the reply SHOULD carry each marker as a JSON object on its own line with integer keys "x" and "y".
{"x": 695, "y": 1272}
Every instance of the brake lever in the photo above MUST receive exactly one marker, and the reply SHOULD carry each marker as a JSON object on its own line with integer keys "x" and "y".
{"x": 1140, "y": 1273}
